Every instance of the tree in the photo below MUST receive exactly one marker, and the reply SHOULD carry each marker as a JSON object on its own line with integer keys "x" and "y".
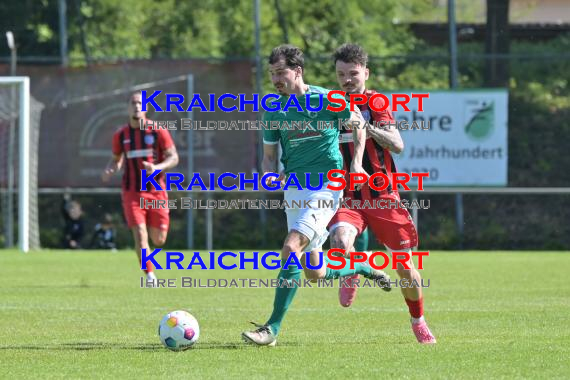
{"x": 34, "y": 24}
{"x": 209, "y": 28}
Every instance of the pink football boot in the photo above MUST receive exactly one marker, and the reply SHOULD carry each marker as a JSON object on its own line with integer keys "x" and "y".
{"x": 422, "y": 332}
{"x": 347, "y": 290}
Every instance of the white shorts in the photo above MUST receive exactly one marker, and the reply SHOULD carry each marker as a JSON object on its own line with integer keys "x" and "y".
{"x": 312, "y": 221}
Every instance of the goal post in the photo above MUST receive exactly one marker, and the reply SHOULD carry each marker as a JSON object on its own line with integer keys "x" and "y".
{"x": 24, "y": 159}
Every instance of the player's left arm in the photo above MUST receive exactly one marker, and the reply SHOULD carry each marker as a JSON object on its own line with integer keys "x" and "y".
{"x": 384, "y": 132}
{"x": 388, "y": 137}
{"x": 169, "y": 152}
{"x": 170, "y": 160}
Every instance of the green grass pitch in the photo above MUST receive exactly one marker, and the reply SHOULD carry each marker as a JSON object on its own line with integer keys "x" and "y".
{"x": 84, "y": 315}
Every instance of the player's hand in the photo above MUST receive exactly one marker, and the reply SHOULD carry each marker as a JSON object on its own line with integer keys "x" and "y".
{"x": 356, "y": 119}
{"x": 357, "y": 168}
{"x": 269, "y": 180}
{"x": 107, "y": 174}
{"x": 150, "y": 168}
{"x": 282, "y": 177}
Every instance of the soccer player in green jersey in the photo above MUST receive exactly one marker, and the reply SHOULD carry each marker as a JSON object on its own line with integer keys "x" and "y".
{"x": 312, "y": 150}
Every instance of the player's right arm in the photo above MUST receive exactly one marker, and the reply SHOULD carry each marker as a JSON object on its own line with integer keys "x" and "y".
{"x": 358, "y": 125}
{"x": 116, "y": 162}
{"x": 269, "y": 163}
{"x": 270, "y": 141}
{"x": 113, "y": 167}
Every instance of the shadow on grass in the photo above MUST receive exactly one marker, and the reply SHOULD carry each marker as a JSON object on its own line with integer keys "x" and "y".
{"x": 79, "y": 286}
{"x": 85, "y": 346}
{"x": 101, "y": 346}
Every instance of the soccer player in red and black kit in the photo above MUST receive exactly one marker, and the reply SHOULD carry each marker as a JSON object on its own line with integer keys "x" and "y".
{"x": 392, "y": 226}
{"x": 138, "y": 149}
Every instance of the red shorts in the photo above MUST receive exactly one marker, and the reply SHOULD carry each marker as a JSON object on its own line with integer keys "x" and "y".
{"x": 135, "y": 215}
{"x": 393, "y": 227}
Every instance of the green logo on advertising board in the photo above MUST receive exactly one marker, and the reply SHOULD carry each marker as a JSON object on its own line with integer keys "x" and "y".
{"x": 481, "y": 118}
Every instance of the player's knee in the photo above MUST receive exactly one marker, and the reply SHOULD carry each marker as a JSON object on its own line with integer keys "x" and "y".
{"x": 140, "y": 233}
{"x": 295, "y": 242}
{"x": 340, "y": 238}
{"x": 344, "y": 244}
{"x": 403, "y": 272}
{"x": 314, "y": 275}
{"x": 159, "y": 240}
{"x": 288, "y": 248}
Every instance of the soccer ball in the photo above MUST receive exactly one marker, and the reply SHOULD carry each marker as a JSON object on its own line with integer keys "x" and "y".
{"x": 178, "y": 330}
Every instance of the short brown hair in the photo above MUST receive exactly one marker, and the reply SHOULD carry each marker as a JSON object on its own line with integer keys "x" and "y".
{"x": 292, "y": 55}
{"x": 351, "y": 53}
{"x": 137, "y": 92}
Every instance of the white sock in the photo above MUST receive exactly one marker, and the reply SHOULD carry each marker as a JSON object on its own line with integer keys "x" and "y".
{"x": 417, "y": 320}
{"x": 150, "y": 276}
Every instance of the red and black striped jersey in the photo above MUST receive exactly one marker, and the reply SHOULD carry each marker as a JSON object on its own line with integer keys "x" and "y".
{"x": 139, "y": 145}
{"x": 376, "y": 158}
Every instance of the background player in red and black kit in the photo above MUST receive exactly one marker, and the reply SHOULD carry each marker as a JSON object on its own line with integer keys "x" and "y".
{"x": 392, "y": 226}
{"x": 137, "y": 149}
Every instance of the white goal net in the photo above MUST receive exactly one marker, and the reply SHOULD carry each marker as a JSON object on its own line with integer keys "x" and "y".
{"x": 19, "y": 136}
